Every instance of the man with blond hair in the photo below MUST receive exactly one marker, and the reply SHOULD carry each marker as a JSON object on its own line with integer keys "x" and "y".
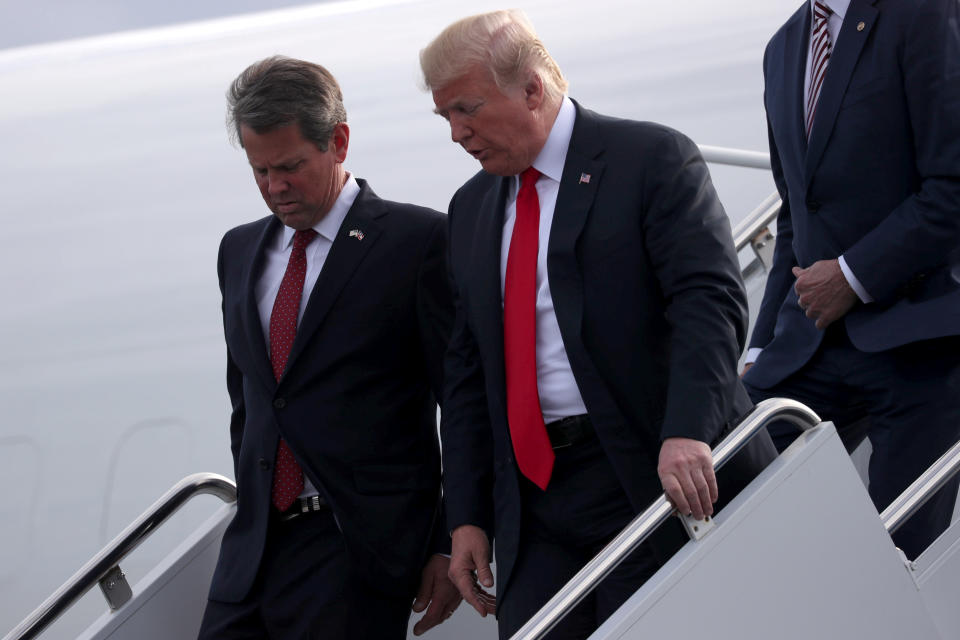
{"x": 599, "y": 317}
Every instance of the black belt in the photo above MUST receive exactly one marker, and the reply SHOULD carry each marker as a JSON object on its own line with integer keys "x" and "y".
{"x": 569, "y": 431}
{"x": 303, "y": 506}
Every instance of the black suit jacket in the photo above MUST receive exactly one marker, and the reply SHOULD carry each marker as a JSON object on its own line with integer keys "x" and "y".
{"x": 878, "y": 181}
{"x": 650, "y": 304}
{"x": 356, "y": 402}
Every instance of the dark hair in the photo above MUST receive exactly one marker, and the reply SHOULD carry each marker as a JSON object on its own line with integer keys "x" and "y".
{"x": 279, "y": 91}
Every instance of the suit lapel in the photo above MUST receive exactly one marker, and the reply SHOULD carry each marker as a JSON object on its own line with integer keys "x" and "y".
{"x": 346, "y": 254}
{"x": 582, "y": 173}
{"x": 486, "y": 277}
{"x": 842, "y": 62}
{"x": 252, "y": 324}
{"x": 796, "y": 48}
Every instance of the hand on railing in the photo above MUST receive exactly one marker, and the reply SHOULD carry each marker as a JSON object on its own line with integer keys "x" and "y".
{"x": 686, "y": 472}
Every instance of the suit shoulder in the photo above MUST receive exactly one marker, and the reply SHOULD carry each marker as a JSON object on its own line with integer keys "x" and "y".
{"x": 414, "y": 217}
{"x": 480, "y": 182}
{"x": 622, "y": 135}
{"x": 244, "y": 233}
{"x": 773, "y": 52}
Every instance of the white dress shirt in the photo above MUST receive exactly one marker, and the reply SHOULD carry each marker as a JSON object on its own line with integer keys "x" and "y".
{"x": 277, "y": 255}
{"x": 559, "y": 394}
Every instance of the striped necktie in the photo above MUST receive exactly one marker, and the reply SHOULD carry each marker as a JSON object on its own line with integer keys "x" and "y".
{"x": 820, "y": 48}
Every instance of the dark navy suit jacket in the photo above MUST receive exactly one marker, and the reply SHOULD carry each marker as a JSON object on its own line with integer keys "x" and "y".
{"x": 650, "y": 304}
{"x": 878, "y": 182}
{"x": 356, "y": 402}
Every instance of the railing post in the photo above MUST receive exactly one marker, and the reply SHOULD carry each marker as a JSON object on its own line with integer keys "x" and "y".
{"x": 104, "y": 567}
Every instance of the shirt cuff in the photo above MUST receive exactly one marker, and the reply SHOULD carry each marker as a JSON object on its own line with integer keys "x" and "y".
{"x": 854, "y": 283}
{"x": 752, "y": 354}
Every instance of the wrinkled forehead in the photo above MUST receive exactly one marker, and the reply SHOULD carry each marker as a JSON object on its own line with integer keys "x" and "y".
{"x": 476, "y": 83}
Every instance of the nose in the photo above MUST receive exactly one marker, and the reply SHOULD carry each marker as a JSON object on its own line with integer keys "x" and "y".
{"x": 459, "y": 131}
{"x": 276, "y": 184}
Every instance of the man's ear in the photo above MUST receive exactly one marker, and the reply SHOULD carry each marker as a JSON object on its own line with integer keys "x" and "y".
{"x": 340, "y": 140}
{"x": 533, "y": 91}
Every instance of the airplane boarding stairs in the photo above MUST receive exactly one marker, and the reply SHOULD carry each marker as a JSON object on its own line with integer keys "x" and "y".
{"x": 800, "y": 553}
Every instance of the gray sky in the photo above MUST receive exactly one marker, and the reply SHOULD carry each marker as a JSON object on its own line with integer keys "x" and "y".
{"x": 26, "y": 22}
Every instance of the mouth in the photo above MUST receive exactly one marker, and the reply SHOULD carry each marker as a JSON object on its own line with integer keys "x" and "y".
{"x": 286, "y": 207}
{"x": 476, "y": 153}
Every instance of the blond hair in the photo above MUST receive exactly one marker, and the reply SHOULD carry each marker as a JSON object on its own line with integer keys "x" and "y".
{"x": 502, "y": 41}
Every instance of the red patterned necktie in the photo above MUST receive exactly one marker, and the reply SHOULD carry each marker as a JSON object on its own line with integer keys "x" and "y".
{"x": 527, "y": 431}
{"x": 287, "y": 476}
{"x": 820, "y": 49}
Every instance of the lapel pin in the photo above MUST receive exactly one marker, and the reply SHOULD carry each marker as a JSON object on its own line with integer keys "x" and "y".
{"x": 356, "y": 233}
{"x": 861, "y": 26}
{"x": 584, "y": 178}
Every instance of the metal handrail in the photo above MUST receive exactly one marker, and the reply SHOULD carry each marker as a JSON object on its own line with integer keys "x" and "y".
{"x": 128, "y": 540}
{"x": 656, "y": 514}
{"x": 748, "y": 228}
{"x": 922, "y": 489}
{"x": 735, "y": 157}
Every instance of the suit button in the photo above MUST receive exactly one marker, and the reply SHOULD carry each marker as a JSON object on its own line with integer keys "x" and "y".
{"x": 279, "y": 403}
{"x": 813, "y": 206}
{"x": 263, "y": 464}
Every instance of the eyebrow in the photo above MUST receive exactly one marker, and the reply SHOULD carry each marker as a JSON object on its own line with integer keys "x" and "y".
{"x": 280, "y": 165}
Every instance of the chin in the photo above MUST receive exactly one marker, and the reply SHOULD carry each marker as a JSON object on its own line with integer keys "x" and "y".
{"x": 498, "y": 169}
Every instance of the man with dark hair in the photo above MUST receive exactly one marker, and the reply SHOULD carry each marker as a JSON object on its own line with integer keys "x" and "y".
{"x": 339, "y": 525}
{"x": 599, "y": 317}
{"x": 861, "y": 315}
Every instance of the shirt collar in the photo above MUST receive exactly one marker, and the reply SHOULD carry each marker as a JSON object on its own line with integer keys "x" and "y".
{"x": 553, "y": 156}
{"x": 329, "y": 225}
{"x": 839, "y": 7}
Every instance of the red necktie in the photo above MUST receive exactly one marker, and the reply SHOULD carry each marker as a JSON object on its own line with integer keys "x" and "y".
{"x": 820, "y": 49}
{"x": 287, "y": 476}
{"x": 530, "y": 442}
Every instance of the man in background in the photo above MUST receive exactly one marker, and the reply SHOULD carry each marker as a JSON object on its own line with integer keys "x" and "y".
{"x": 861, "y": 314}
{"x": 336, "y": 313}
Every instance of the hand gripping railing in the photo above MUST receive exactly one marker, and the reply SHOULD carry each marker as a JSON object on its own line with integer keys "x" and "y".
{"x": 110, "y": 556}
{"x": 656, "y": 514}
{"x": 922, "y": 489}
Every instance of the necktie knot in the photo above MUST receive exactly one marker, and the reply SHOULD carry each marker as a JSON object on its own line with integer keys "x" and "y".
{"x": 302, "y": 238}
{"x": 821, "y": 11}
{"x": 820, "y": 48}
{"x": 529, "y": 178}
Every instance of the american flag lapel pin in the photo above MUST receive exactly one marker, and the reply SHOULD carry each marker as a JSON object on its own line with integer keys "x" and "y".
{"x": 356, "y": 233}
{"x": 584, "y": 178}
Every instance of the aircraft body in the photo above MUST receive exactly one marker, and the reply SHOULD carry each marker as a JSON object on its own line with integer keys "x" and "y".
{"x": 119, "y": 181}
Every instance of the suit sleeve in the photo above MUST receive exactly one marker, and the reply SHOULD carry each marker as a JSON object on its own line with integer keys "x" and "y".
{"x": 434, "y": 306}
{"x": 687, "y": 235}
{"x": 465, "y": 431}
{"x": 435, "y": 316}
{"x": 924, "y": 229}
{"x": 780, "y": 278}
{"x": 234, "y": 383}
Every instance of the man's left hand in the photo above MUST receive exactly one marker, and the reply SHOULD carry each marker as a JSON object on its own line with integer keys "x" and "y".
{"x": 438, "y": 592}
{"x": 824, "y": 293}
{"x": 686, "y": 471}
